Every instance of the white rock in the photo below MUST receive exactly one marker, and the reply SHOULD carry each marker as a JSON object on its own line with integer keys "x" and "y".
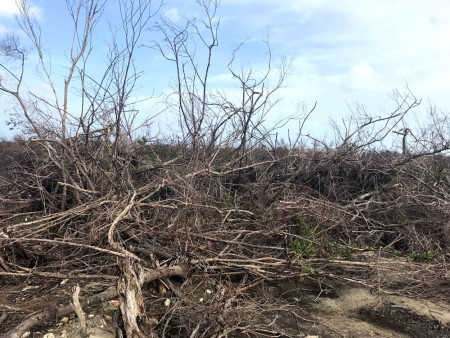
{"x": 26, "y": 334}
{"x": 208, "y": 291}
{"x": 49, "y": 335}
{"x": 167, "y": 302}
{"x": 90, "y": 315}
{"x": 201, "y": 300}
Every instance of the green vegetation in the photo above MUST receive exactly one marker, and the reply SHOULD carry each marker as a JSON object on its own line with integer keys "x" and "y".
{"x": 227, "y": 200}
{"x": 422, "y": 256}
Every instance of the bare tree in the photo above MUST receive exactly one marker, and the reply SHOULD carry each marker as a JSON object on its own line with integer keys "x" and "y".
{"x": 209, "y": 118}
{"x": 226, "y": 210}
{"x": 105, "y": 118}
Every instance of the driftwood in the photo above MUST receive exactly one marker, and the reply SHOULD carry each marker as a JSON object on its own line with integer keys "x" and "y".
{"x": 78, "y": 309}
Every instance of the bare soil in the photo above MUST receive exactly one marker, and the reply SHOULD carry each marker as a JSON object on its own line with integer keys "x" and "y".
{"x": 357, "y": 312}
{"x": 327, "y": 311}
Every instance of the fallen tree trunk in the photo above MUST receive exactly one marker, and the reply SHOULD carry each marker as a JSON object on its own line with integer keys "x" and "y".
{"x": 108, "y": 294}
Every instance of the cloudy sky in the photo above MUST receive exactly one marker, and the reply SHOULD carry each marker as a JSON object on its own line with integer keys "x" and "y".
{"x": 344, "y": 52}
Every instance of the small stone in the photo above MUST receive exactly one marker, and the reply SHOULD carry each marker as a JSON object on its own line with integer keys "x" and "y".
{"x": 49, "y": 335}
{"x": 201, "y": 300}
{"x": 90, "y": 315}
{"x": 167, "y": 302}
{"x": 64, "y": 319}
{"x": 26, "y": 334}
{"x": 208, "y": 291}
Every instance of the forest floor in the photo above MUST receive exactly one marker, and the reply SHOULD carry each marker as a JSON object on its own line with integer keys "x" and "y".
{"x": 328, "y": 309}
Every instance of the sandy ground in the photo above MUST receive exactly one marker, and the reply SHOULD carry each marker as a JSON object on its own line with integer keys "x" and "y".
{"x": 345, "y": 312}
{"x": 359, "y": 313}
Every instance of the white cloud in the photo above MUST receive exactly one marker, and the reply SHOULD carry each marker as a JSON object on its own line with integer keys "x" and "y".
{"x": 8, "y": 8}
{"x": 359, "y": 47}
{"x": 442, "y": 39}
{"x": 363, "y": 70}
{"x": 362, "y": 76}
{"x": 36, "y": 12}
{"x": 403, "y": 70}
{"x": 173, "y": 14}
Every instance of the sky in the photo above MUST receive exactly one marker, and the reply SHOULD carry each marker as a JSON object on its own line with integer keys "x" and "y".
{"x": 343, "y": 53}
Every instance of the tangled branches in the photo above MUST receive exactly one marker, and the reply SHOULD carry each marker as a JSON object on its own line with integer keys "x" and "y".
{"x": 187, "y": 235}
{"x": 304, "y": 213}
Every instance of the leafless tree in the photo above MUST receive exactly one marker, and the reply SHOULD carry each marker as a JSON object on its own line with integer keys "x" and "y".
{"x": 211, "y": 118}
{"x": 230, "y": 207}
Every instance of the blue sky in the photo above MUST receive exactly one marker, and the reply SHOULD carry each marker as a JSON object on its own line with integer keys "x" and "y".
{"x": 344, "y": 52}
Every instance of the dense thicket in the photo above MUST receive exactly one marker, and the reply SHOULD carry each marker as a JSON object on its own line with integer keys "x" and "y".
{"x": 236, "y": 221}
{"x": 86, "y": 194}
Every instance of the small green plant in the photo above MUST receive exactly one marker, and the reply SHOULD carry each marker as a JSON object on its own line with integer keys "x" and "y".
{"x": 310, "y": 270}
{"x": 305, "y": 226}
{"x": 170, "y": 154}
{"x": 346, "y": 252}
{"x": 330, "y": 246}
{"x": 391, "y": 251}
{"x": 302, "y": 250}
{"x": 330, "y": 249}
{"x": 422, "y": 257}
{"x": 150, "y": 156}
{"x": 142, "y": 141}
{"x": 298, "y": 246}
{"x": 227, "y": 202}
